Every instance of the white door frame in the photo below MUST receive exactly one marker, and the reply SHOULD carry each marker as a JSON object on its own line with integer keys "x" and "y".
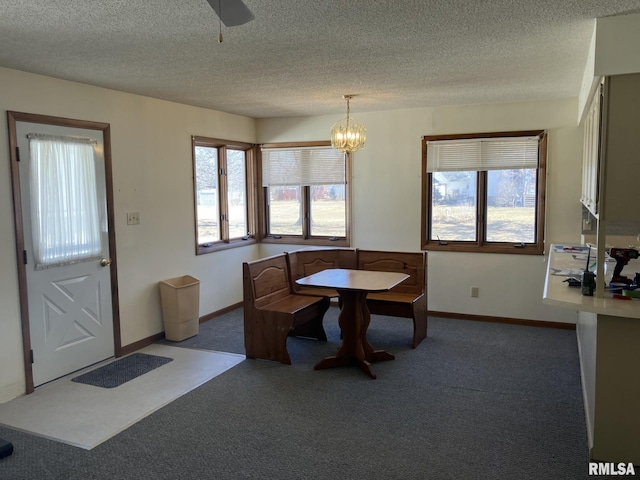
{"x": 12, "y": 118}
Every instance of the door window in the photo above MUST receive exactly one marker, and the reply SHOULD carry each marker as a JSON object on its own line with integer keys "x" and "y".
{"x": 64, "y": 200}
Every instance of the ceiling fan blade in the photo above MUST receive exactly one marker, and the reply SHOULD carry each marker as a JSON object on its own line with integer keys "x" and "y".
{"x": 234, "y": 12}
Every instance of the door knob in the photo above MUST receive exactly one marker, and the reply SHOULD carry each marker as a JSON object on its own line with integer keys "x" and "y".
{"x": 104, "y": 262}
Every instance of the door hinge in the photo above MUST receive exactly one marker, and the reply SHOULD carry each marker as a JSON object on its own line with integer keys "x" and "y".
{"x": 24, "y": 256}
{"x": 17, "y": 154}
{"x": 31, "y": 355}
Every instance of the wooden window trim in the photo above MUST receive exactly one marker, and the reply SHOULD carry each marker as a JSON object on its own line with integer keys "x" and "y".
{"x": 305, "y": 238}
{"x": 251, "y": 185}
{"x": 480, "y": 246}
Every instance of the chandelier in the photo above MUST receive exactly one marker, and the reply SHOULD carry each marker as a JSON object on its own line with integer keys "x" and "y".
{"x": 347, "y": 135}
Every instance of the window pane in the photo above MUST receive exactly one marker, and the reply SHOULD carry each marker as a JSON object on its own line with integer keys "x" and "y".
{"x": 208, "y": 212}
{"x": 237, "y": 193}
{"x": 511, "y": 205}
{"x": 328, "y": 210}
{"x": 285, "y": 210}
{"x": 453, "y": 209}
{"x": 64, "y": 202}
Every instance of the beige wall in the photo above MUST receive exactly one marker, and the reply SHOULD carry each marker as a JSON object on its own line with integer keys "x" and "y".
{"x": 386, "y": 187}
{"x": 152, "y": 175}
{"x": 151, "y": 149}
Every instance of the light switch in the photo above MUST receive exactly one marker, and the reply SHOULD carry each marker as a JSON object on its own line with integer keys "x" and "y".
{"x": 133, "y": 218}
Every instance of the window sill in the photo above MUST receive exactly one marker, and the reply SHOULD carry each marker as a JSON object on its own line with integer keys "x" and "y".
{"x": 510, "y": 249}
{"x": 217, "y": 246}
{"x": 291, "y": 240}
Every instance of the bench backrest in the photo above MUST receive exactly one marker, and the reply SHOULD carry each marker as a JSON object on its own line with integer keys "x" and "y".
{"x": 266, "y": 280}
{"x": 303, "y": 263}
{"x": 411, "y": 263}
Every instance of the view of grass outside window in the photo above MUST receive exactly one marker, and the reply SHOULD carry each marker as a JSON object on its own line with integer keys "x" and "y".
{"x": 453, "y": 211}
{"x": 305, "y": 192}
{"x": 208, "y": 211}
{"x": 237, "y": 193}
{"x": 328, "y": 210}
{"x": 285, "y": 210}
{"x": 221, "y": 196}
{"x": 484, "y": 193}
{"x": 511, "y": 208}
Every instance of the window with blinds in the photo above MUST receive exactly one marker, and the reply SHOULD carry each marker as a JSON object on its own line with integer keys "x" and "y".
{"x": 305, "y": 193}
{"x": 478, "y": 154}
{"x": 302, "y": 166}
{"x": 484, "y": 192}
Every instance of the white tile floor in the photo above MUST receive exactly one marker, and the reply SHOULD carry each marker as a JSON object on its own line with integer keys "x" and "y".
{"x": 85, "y": 415}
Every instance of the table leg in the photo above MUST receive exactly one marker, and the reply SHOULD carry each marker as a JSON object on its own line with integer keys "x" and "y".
{"x": 354, "y": 320}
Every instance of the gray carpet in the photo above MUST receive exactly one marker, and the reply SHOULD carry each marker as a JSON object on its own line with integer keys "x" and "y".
{"x": 473, "y": 401}
{"x": 121, "y": 371}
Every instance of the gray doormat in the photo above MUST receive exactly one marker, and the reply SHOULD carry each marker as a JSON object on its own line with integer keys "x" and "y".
{"x": 121, "y": 371}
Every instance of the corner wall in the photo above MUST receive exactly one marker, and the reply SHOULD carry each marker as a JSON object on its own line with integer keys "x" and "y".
{"x": 386, "y": 189}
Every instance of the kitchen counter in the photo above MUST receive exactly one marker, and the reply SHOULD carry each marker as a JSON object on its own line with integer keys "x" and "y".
{"x": 608, "y": 334}
{"x": 558, "y": 293}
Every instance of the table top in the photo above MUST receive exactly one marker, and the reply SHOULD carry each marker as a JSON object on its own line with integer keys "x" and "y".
{"x": 346, "y": 279}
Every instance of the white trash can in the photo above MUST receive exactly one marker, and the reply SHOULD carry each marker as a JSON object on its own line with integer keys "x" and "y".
{"x": 180, "y": 298}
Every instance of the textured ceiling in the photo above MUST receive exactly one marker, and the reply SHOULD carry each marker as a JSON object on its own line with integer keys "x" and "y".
{"x": 299, "y": 56}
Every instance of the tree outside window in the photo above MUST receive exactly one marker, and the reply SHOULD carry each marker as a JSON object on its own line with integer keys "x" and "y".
{"x": 484, "y": 192}
{"x": 224, "y": 205}
{"x": 305, "y": 195}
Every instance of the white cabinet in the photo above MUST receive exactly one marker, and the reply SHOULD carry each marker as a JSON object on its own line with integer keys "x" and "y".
{"x": 611, "y": 165}
{"x": 591, "y": 154}
{"x": 620, "y": 163}
{"x": 611, "y": 155}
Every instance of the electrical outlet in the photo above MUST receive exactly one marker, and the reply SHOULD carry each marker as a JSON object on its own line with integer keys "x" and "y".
{"x": 133, "y": 218}
{"x": 475, "y": 292}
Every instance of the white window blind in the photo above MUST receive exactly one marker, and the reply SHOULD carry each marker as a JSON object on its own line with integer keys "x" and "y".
{"x": 302, "y": 166}
{"x": 479, "y": 154}
{"x": 65, "y": 218}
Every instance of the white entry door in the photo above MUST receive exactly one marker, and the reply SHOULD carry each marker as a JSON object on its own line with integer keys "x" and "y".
{"x": 64, "y": 214}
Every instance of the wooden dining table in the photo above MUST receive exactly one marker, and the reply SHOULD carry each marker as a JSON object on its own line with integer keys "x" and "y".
{"x": 353, "y": 287}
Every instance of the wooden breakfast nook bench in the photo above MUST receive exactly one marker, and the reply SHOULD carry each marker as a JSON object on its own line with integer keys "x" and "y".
{"x": 303, "y": 263}
{"x": 272, "y": 311}
{"x": 407, "y": 299}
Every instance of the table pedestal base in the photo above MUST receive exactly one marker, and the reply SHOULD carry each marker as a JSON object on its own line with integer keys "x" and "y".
{"x": 355, "y": 349}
